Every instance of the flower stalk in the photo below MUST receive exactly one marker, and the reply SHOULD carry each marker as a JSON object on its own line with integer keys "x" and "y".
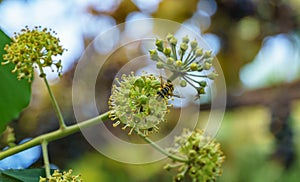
{"x": 161, "y": 150}
{"x": 56, "y": 107}
{"x": 46, "y": 158}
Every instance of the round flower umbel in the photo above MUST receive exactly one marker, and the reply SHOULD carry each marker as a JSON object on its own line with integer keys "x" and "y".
{"x": 33, "y": 48}
{"x": 204, "y": 157}
{"x": 134, "y": 102}
{"x": 185, "y": 60}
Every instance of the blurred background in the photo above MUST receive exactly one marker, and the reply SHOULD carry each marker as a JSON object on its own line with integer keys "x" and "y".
{"x": 256, "y": 42}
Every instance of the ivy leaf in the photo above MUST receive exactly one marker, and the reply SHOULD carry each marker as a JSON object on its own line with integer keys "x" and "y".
{"x": 14, "y": 94}
{"x": 28, "y": 175}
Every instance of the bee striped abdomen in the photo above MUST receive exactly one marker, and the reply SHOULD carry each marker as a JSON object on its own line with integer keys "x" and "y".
{"x": 160, "y": 94}
{"x": 166, "y": 90}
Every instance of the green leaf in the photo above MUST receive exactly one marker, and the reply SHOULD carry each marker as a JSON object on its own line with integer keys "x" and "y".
{"x": 14, "y": 93}
{"x": 22, "y": 175}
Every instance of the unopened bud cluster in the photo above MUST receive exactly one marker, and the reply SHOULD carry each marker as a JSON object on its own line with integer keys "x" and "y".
{"x": 33, "y": 48}
{"x": 135, "y": 104}
{"x": 62, "y": 177}
{"x": 204, "y": 157}
{"x": 186, "y": 60}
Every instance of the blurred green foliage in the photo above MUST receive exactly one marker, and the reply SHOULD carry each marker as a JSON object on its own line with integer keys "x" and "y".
{"x": 28, "y": 175}
{"x": 248, "y": 144}
{"x": 14, "y": 94}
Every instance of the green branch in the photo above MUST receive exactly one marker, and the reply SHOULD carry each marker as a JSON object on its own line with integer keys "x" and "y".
{"x": 53, "y": 135}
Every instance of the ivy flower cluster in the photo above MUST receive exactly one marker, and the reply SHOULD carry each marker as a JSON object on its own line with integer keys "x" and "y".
{"x": 134, "y": 102}
{"x": 204, "y": 157}
{"x": 137, "y": 102}
{"x": 62, "y": 177}
{"x": 33, "y": 48}
{"x": 185, "y": 60}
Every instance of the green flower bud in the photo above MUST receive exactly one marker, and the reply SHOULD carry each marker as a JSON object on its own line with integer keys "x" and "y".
{"x": 143, "y": 99}
{"x": 139, "y": 82}
{"x": 194, "y": 44}
{"x": 159, "y": 45}
{"x": 193, "y": 172}
{"x": 182, "y": 83}
{"x": 207, "y": 54}
{"x": 170, "y": 61}
{"x": 185, "y": 39}
{"x": 170, "y": 36}
{"x": 179, "y": 177}
{"x": 178, "y": 63}
{"x": 192, "y": 154}
{"x": 207, "y": 66}
{"x": 167, "y": 51}
{"x": 159, "y": 65}
{"x": 199, "y": 52}
{"x": 168, "y": 167}
{"x": 209, "y": 60}
{"x": 212, "y": 75}
{"x": 183, "y": 47}
{"x": 173, "y": 41}
{"x": 153, "y": 55}
{"x": 203, "y": 83}
{"x": 152, "y": 51}
{"x": 200, "y": 90}
{"x": 194, "y": 66}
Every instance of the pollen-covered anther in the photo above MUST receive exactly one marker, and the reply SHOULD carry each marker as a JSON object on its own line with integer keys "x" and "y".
{"x": 116, "y": 123}
{"x": 143, "y": 110}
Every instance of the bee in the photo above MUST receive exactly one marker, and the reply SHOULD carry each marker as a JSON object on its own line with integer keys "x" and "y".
{"x": 166, "y": 89}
